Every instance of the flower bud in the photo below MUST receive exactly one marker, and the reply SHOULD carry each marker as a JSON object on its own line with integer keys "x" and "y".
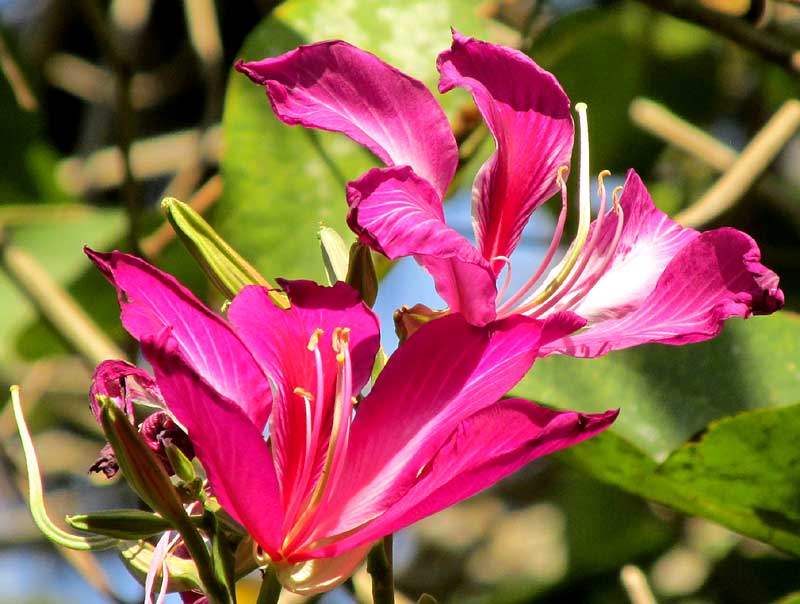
{"x": 183, "y": 575}
{"x": 140, "y": 466}
{"x": 334, "y": 254}
{"x": 123, "y": 524}
{"x": 361, "y": 273}
{"x": 408, "y": 320}
{"x": 223, "y": 265}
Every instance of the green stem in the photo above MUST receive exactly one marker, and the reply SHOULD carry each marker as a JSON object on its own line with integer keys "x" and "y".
{"x": 270, "y": 587}
{"x": 379, "y": 566}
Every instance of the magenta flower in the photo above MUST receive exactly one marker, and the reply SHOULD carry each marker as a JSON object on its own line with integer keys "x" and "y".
{"x": 269, "y": 399}
{"x": 634, "y": 274}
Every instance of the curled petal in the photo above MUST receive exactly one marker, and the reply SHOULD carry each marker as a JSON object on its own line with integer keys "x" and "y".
{"x": 397, "y": 213}
{"x": 528, "y": 113}
{"x": 151, "y": 300}
{"x": 716, "y": 276}
{"x": 338, "y": 87}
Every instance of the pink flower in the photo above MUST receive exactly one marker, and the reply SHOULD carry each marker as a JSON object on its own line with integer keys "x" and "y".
{"x": 635, "y": 275}
{"x": 270, "y": 401}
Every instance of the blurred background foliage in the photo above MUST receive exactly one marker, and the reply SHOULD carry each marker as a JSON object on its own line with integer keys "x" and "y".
{"x": 708, "y": 433}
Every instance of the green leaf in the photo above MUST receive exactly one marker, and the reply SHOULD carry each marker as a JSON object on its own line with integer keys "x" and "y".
{"x": 709, "y": 429}
{"x": 281, "y": 181}
{"x": 667, "y": 393}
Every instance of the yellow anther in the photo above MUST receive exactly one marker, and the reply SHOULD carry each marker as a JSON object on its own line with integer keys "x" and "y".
{"x": 313, "y": 341}
{"x": 615, "y": 195}
{"x": 560, "y": 175}
{"x": 600, "y": 177}
{"x": 304, "y": 393}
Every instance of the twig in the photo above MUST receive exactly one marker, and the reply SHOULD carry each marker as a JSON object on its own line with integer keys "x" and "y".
{"x": 659, "y": 121}
{"x": 203, "y": 199}
{"x": 753, "y": 160}
{"x": 765, "y": 44}
{"x": 57, "y": 306}
{"x": 19, "y": 85}
{"x": 635, "y": 583}
{"x": 126, "y": 118}
{"x": 150, "y": 157}
{"x": 379, "y": 566}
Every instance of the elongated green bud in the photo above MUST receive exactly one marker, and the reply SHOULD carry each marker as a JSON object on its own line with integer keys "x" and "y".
{"x": 181, "y": 465}
{"x": 361, "y": 273}
{"x": 223, "y": 265}
{"x": 123, "y": 524}
{"x": 36, "y": 492}
{"x": 334, "y": 254}
{"x": 140, "y": 466}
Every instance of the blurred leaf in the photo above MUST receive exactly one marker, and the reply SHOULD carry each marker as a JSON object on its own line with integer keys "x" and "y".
{"x": 58, "y": 246}
{"x": 281, "y": 182}
{"x": 669, "y": 393}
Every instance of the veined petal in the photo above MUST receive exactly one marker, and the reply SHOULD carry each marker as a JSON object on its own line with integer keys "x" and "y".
{"x": 151, "y": 300}
{"x": 649, "y": 241}
{"x": 403, "y": 422}
{"x": 716, "y": 276}
{"x": 528, "y": 113}
{"x": 242, "y": 477}
{"x": 279, "y": 339}
{"x": 397, "y": 213}
{"x": 335, "y": 86}
{"x": 482, "y": 449}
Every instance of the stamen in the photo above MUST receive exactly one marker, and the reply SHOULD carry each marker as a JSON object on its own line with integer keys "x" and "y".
{"x": 566, "y": 265}
{"x": 338, "y": 441}
{"x": 551, "y": 251}
{"x": 313, "y": 341}
{"x": 304, "y": 393}
{"x": 586, "y": 252}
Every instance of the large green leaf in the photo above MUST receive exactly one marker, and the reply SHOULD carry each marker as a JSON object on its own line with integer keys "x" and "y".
{"x": 281, "y": 182}
{"x": 667, "y": 394}
{"x": 709, "y": 429}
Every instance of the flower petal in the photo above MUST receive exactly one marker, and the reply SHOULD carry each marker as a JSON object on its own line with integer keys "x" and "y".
{"x": 124, "y": 384}
{"x": 279, "y": 340}
{"x": 457, "y": 370}
{"x": 242, "y": 477}
{"x": 528, "y": 113}
{"x": 716, "y": 276}
{"x": 151, "y": 300}
{"x": 482, "y": 449}
{"x": 397, "y": 213}
{"x": 321, "y": 574}
{"x": 335, "y": 86}
{"x": 649, "y": 241}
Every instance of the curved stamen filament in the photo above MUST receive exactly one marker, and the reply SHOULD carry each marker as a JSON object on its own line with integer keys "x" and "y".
{"x": 313, "y": 426}
{"x": 566, "y": 265}
{"x": 337, "y": 443}
{"x": 559, "y": 231}
{"x": 590, "y": 247}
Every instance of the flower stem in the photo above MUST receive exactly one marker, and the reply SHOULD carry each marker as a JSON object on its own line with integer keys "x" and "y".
{"x": 379, "y": 566}
{"x": 270, "y": 587}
